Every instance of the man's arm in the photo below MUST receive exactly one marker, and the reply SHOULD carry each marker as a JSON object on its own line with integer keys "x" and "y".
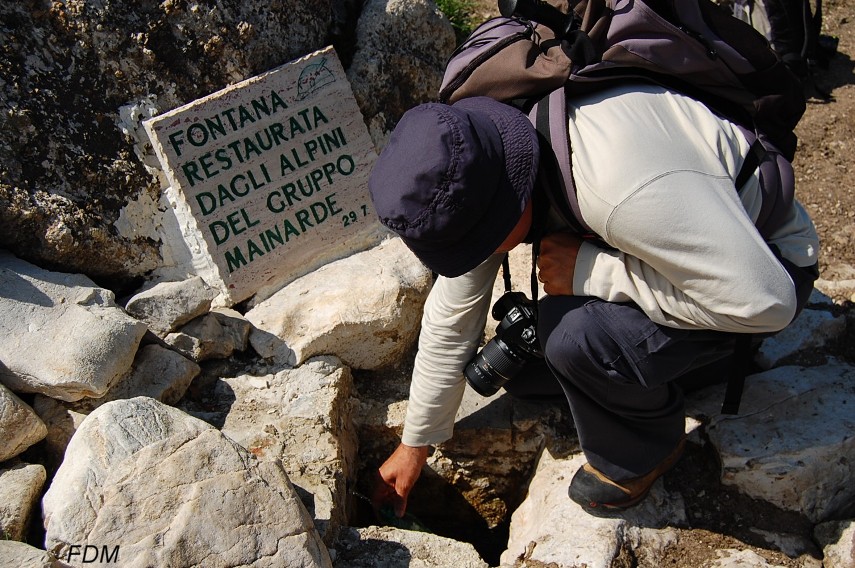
{"x": 452, "y": 325}
{"x": 689, "y": 256}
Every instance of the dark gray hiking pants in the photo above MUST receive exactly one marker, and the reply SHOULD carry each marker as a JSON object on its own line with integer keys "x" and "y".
{"x": 624, "y": 375}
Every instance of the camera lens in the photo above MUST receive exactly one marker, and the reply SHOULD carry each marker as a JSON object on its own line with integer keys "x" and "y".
{"x": 495, "y": 365}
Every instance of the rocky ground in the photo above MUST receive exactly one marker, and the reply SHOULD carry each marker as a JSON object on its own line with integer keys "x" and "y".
{"x": 824, "y": 163}
{"x": 718, "y": 517}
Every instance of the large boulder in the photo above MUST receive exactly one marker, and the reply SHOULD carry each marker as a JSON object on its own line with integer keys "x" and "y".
{"x": 401, "y": 50}
{"x": 549, "y": 528}
{"x": 67, "y": 168}
{"x": 792, "y": 443}
{"x": 173, "y": 491}
{"x": 302, "y": 418}
{"x": 365, "y": 309}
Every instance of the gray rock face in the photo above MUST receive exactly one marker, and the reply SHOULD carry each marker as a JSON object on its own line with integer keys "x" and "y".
{"x": 792, "y": 442}
{"x": 402, "y": 45}
{"x": 61, "y": 335}
{"x": 68, "y": 170}
{"x": 158, "y": 373}
{"x": 302, "y": 418}
{"x": 177, "y": 491}
{"x": 215, "y": 335}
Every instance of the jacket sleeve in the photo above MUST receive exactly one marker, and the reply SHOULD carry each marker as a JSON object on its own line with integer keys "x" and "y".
{"x": 690, "y": 257}
{"x": 454, "y": 318}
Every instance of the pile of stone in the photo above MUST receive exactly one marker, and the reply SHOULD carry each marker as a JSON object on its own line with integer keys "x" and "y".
{"x": 168, "y": 428}
{"x": 125, "y": 427}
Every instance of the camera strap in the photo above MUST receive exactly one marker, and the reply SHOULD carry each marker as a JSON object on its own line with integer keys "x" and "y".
{"x": 506, "y": 272}
{"x": 535, "y": 252}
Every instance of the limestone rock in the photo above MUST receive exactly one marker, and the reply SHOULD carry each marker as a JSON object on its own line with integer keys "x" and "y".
{"x": 843, "y": 288}
{"x": 108, "y": 436}
{"x": 168, "y": 305}
{"x": 20, "y": 489}
{"x": 791, "y": 443}
{"x": 301, "y": 417}
{"x": 837, "y": 539}
{"x": 174, "y": 492}
{"x": 732, "y": 558}
{"x": 61, "y": 421}
{"x": 364, "y": 309}
{"x": 18, "y": 554}
{"x": 20, "y": 426}
{"x": 215, "y": 335}
{"x": 548, "y": 527}
{"x": 387, "y": 547}
{"x": 402, "y": 47}
{"x": 60, "y": 335}
{"x": 811, "y": 330}
{"x": 157, "y": 372}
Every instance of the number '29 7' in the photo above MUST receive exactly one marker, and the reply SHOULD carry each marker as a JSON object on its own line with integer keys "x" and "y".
{"x": 352, "y": 216}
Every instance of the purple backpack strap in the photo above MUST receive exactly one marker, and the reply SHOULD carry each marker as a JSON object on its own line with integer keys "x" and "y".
{"x": 777, "y": 182}
{"x": 549, "y": 117}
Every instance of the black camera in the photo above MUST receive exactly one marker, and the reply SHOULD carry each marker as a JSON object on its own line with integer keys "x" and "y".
{"x": 506, "y": 354}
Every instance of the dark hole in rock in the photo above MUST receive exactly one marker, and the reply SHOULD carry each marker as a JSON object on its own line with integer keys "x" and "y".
{"x": 474, "y": 482}
{"x": 442, "y": 509}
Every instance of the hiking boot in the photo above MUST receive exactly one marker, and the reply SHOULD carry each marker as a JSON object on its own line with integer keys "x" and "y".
{"x": 595, "y": 492}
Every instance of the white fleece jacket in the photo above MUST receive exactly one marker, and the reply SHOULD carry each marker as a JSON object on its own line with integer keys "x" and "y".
{"x": 655, "y": 174}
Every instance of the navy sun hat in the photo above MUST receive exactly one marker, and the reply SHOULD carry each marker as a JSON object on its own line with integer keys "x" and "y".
{"x": 454, "y": 180}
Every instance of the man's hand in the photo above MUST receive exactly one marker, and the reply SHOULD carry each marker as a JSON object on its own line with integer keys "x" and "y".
{"x": 557, "y": 263}
{"x": 397, "y": 476}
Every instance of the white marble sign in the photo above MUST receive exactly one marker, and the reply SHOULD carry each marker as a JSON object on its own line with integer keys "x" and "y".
{"x": 273, "y": 172}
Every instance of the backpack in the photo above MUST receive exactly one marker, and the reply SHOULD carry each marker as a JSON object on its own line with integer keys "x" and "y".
{"x": 791, "y": 26}
{"x": 537, "y": 54}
